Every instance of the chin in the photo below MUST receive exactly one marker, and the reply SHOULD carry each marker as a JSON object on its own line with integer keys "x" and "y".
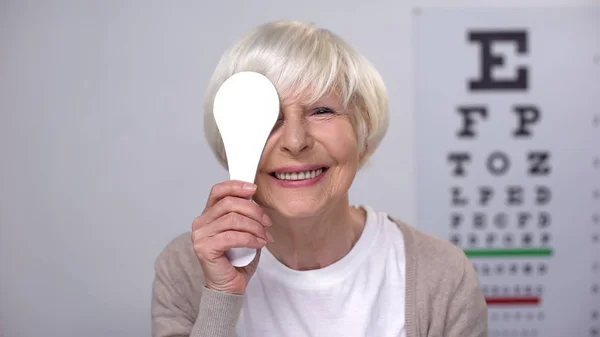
{"x": 296, "y": 209}
{"x": 292, "y": 204}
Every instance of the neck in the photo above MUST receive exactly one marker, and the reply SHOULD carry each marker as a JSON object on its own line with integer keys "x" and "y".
{"x": 317, "y": 241}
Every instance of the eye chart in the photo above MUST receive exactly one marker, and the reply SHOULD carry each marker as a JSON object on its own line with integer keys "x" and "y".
{"x": 507, "y": 127}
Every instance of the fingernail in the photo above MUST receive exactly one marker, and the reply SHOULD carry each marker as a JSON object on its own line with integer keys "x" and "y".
{"x": 249, "y": 187}
{"x": 266, "y": 220}
{"x": 270, "y": 237}
{"x": 261, "y": 241}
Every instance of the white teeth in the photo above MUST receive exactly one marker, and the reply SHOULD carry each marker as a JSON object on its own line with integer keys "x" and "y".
{"x": 299, "y": 175}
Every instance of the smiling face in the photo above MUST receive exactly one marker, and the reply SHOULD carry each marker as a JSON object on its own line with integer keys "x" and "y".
{"x": 312, "y": 155}
{"x": 310, "y": 159}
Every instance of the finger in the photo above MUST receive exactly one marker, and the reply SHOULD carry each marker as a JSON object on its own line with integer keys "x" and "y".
{"x": 238, "y": 205}
{"x": 232, "y": 222}
{"x": 234, "y": 188}
{"x": 215, "y": 249}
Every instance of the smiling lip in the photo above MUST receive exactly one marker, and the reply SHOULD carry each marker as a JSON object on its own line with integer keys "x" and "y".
{"x": 299, "y": 183}
{"x": 297, "y": 169}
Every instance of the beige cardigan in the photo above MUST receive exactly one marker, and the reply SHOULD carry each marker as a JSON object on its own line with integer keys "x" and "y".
{"x": 443, "y": 294}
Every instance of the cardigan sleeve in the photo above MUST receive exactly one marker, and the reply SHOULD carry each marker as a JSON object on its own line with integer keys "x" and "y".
{"x": 218, "y": 314}
{"x": 176, "y": 308}
{"x": 467, "y": 314}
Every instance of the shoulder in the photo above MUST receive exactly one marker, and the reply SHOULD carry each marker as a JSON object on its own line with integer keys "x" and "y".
{"x": 441, "y": 258}
{"x": 176, "y": 288}
{"x": 436, "y": 269}
{"x": 178, "y": 265}
{"x": 178, "y": 251}
{"x": 441, "y": 282}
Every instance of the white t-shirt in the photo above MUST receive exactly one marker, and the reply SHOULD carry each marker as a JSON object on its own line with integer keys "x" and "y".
{"x": 360, "y": 295}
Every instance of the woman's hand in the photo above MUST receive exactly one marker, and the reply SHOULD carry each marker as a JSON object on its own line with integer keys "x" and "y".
{"x": 230, "y": 220}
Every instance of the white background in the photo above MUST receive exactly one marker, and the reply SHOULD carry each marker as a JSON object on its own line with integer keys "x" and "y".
{"x": 102, "y": 156}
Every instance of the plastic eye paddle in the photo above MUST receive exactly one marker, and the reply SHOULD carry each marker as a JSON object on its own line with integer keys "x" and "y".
{"x": 246, "y": 108}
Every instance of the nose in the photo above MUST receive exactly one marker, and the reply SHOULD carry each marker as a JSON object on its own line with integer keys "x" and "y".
{"x": 295, "y": 134}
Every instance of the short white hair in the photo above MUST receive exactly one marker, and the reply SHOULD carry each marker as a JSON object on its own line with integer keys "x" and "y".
{"x": 301, "y": 59}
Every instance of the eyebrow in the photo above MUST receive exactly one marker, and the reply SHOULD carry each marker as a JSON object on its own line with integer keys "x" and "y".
{"x": 328, "y": 102}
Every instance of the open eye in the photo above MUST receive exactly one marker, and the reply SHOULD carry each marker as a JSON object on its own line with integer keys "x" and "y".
{"x": 322, "y": 111}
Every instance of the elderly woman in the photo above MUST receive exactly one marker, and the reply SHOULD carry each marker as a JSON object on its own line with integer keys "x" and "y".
{"x": 324, "y": 267}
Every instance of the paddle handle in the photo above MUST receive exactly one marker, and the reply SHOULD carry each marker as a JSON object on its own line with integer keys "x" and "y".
{"x": 241, "y": 257}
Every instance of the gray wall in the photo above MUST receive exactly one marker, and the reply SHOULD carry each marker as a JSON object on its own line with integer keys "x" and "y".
{"x": 102, "y": 154}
